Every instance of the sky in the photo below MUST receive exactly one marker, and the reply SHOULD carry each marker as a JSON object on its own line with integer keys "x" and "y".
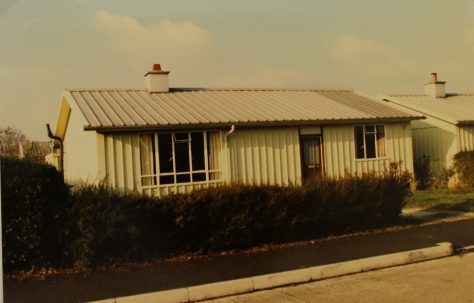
{"x": 371, "y": 46}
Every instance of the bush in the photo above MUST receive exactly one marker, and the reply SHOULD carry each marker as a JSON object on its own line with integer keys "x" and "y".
{"x": 241, "y": 216}
{"x": 423, "y": 175}
{"x": 34, "y": 199}
{"x": 106, "y": 224}
{"x": 90, "y": 225}
{"x": 464, "y": 168}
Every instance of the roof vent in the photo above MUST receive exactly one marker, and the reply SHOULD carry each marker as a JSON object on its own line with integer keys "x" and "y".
{"x": 157, "y": 80}
{"x": 435, "y": 88}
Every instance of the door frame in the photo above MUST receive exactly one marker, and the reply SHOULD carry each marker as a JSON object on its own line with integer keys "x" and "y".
{"x": 321, "y": 153}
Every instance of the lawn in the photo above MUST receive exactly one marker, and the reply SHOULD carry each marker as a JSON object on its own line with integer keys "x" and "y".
{"x": 442, "y": 199}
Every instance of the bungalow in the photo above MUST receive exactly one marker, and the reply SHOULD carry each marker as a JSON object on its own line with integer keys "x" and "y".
{"x": 448, "y": 127}
{"x": 159, "y": 139}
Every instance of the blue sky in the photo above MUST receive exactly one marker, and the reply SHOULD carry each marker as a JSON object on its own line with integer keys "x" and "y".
{"x": 368, "y": 45}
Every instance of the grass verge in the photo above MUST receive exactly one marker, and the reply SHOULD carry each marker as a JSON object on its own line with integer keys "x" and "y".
{"x": 442, "y": 199}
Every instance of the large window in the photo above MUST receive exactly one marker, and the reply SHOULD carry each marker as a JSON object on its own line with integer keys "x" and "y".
{"x": 369, "y": 141}
{"x": 180, "y": 157}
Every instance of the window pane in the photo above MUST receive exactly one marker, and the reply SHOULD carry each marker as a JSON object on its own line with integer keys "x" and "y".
{"x": 183, "y": 178}
{"x": 369, "y": 129}
{"x": 311, "y": 151}
{"x": 166, "y": 180}
{"x": 199, "y": 177}
{"x": 181, "y": 152}
{"x": 165, "y": 152}
{"x": 381, "y": 140}
{"x": 214, "y": 154}
{"x": 359, "y": 142}
{"x": 197, "y": 151}
{"x": 181, "y": 137}
{"x": 147, "y": 159}
{"x": 370, "y": 145}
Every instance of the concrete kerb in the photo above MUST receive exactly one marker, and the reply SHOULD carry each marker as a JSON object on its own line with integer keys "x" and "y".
{"x": 233, "y": 287}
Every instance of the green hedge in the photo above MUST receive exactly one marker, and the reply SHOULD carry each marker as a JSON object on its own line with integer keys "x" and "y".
{"x": 464, "y": 168}
{"x": 109, "y": 225}
{"x": 96, "y": 225}
{"x": 34, "y": 205}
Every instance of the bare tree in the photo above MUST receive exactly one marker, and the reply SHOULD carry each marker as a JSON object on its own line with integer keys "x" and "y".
{"x": 10, "y": 139}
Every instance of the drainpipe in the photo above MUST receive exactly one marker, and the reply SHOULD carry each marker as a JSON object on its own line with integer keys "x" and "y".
{"x": 231, "y": 131}
{"x": 61, "y": 149}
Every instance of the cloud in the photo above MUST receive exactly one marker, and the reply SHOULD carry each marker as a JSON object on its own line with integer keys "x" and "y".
{"x": 368, "y": 56}
{"x": 5, "y": 5}
{"x": 166, "y": 39}
{"x": 265, "y": 77}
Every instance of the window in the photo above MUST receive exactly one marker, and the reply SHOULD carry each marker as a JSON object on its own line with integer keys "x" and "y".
{"x": 369, "y": 141}
{"x": 180, "y": 157}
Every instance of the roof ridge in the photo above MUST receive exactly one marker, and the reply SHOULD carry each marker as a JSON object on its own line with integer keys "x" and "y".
{"x": 425, "y": 95}
{"x": 180, "y": 89}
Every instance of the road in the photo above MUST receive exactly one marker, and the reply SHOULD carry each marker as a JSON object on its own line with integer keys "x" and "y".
{"x": 136, "y": 279}
{"x": 443, "y": 280}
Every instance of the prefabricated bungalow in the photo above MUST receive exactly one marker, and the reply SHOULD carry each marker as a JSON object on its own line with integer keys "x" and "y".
{"x": 160, "y": 140}
{"x": 448, "y": 127}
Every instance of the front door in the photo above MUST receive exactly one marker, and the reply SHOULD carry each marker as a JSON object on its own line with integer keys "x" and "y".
{"x": 311, "y": 157}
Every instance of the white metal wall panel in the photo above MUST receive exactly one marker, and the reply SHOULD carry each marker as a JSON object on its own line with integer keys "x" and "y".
{"x": 268, "y": 156}
{"x": 466, "y": 138}
{"x": 339, "y": 151}
{"x": 122, "y": 161}
{"x": 436, "y": 140}
{"x": 399, "y": 145}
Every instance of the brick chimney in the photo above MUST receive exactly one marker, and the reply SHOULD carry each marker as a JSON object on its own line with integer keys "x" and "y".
{"x": 157, "y": 80}
{"x": 435, "y": 88}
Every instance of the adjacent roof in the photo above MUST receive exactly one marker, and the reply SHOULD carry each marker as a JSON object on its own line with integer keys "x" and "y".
{"x": 454, "y": 108}
{"x": 110, "y": 109}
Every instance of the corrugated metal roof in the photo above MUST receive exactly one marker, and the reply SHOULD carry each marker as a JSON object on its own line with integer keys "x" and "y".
{"x": 454, "y": 108}
{"x": 113, "y": 109}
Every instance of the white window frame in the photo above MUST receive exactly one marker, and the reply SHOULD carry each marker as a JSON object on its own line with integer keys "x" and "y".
{"x": 364, "y": 132}
{"x": 205, "y": 171}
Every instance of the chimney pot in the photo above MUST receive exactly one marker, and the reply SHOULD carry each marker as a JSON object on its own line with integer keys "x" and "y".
{"x": 156, "y": 67}
{"x": 434, "y": 77}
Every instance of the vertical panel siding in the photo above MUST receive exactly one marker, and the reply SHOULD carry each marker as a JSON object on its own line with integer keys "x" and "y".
{"x": 466, "y": 138}
{"x": 339, "y": 151}
{"x": 122, "y": 161}
{"x": 434, "y": 140}
{"x": 269, "y": 156}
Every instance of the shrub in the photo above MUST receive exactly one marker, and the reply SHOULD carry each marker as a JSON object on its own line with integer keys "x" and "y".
{"x": 464, "y": 168}
{"x": 90, "y": 225}
{"x": 423, "y": 175}
{"x": 240, "y": 216}
{"x": 106, "y": 224}
{"x": 34, "y": 199}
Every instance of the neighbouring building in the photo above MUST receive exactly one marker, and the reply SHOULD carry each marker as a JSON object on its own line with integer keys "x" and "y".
{"x": 448, "y": 127}
{"x": 160, "y": 140}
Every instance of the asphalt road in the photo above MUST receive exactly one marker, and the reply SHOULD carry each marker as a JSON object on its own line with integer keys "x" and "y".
{"x": 168, "y": 275}
{"x": 442, "y": 280}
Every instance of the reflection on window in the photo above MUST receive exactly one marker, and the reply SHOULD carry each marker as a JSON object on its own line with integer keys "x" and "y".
{"x": 183, "y": 157}
{"x": 369, "y": 141}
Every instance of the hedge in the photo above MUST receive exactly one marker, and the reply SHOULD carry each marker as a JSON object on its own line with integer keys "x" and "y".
{"x": 463, "y": 166}
{"x": 34, "y": 205}
{"x": 92, "y": 225}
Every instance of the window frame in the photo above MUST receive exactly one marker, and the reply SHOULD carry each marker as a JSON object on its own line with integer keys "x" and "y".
{"x": 190, "y": 172}
{"x": 376, "y": 147}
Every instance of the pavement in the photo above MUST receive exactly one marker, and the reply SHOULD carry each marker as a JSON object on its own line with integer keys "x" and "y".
{"x": 103, "y": 284}
{"x": 442, "y": 280}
